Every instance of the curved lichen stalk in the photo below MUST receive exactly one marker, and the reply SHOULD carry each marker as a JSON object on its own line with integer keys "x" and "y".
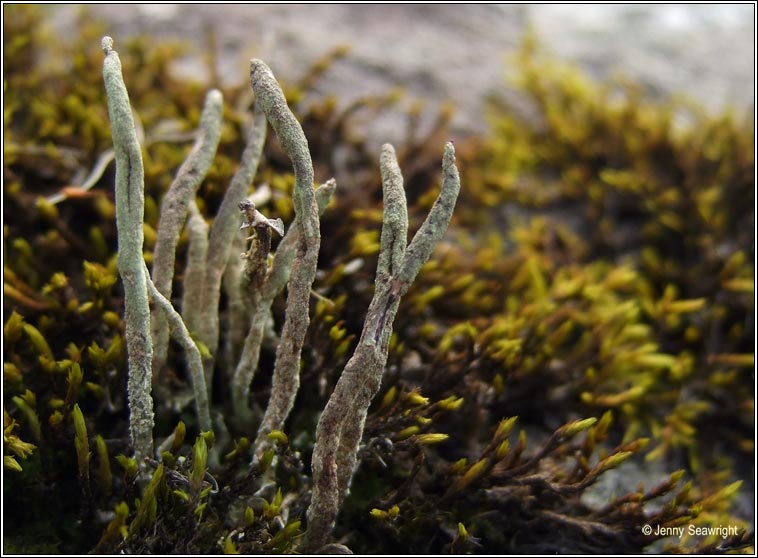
{"x": 130, "y": 205}
{"x": 181, "y": 334}
{"x": 174, "y": 209}
{"x": 340, "y": 427}
{"x": 286, "y": 380}
{"x": 260, "y": 298}
{"x": 137, "y": 282}
{"x": 202, "y": 312}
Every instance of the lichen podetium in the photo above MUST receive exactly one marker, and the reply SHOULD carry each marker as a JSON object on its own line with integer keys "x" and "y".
{"x": 574, "y": 357}
{"x": 130, "y": 203}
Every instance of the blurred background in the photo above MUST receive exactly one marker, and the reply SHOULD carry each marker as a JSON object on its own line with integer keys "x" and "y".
{"x": 623, "y": 193}
{"x": 457, "y": 53}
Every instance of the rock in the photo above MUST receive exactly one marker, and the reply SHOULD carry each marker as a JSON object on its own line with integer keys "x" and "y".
{"x": 456, "y": 52}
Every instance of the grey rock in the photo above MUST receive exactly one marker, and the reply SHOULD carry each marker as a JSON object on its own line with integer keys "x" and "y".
{"x": 456, "y": 52}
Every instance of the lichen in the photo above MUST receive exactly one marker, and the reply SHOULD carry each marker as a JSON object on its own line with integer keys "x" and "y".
{"x": 589, "y": 312}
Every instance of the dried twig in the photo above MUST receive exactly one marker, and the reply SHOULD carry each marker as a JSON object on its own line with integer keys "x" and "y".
{"x": 260, "y": 297}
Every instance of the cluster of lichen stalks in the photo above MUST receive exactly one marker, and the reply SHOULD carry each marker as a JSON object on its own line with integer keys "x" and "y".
{"x": 542, "y": 322}
{"x": 341, "y": 424}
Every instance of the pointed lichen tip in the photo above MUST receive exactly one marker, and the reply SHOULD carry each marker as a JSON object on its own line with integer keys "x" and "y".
{"x": 450, "y": 150}
{"x": 106, "y": 44}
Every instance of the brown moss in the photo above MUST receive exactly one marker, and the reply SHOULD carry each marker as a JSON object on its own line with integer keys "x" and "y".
{"x": 599, "y": 267}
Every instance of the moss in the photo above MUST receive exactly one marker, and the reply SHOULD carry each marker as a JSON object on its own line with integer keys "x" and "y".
{"x": 597, "y": 283}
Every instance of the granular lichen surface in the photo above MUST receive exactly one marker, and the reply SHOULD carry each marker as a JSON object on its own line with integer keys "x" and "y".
{"x": 587, "y": 317}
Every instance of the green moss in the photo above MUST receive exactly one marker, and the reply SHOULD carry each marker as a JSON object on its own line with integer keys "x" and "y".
{"x": 597, "y": 283}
